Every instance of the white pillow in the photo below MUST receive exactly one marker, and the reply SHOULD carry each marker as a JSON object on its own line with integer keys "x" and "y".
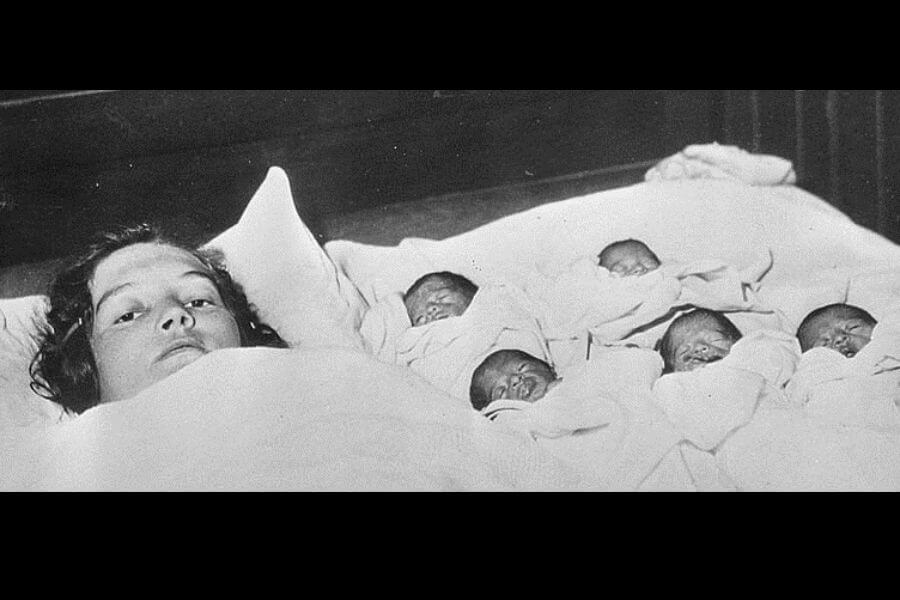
{"x": 286, "y": 275}
{"x": 20, "y": 320}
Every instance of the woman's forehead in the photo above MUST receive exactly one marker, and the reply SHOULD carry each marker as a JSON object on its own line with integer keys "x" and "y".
{"x": 143, "y": 262}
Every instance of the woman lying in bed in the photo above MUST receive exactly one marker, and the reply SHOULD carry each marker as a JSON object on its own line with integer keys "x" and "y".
{"x": 133, "y": 309}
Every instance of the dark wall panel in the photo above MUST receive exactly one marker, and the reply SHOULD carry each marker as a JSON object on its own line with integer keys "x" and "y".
{"x": 193, "y": 157}
{"x": 845, "y": 144}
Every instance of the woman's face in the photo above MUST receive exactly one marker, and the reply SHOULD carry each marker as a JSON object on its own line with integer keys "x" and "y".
{"x": 156, "y": 310}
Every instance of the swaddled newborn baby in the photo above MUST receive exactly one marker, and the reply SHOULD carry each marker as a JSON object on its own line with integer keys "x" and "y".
{"x": 696, "y": 339}
{"x": 433, "y": 297}
{"x": 510, "y": 375}
{"x": 850, "y": 369}
{"x": 437, "y": 296}
{"x": 715, "y": 378}
{"x": 599, "y": 419}
{"x": 843, "y": 328}
{"x": 628, "y": 258}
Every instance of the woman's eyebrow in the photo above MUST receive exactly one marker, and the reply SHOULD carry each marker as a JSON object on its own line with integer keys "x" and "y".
{"x": 111, "y": 292}
{"x": 187, "y": 274}
{"x": 203, "y": 274}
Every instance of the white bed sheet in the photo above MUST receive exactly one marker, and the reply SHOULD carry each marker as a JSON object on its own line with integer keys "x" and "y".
{"x": 316, "y": 419}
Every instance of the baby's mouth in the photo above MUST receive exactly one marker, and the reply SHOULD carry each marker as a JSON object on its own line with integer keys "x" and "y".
{"x": 699, "y": 360}
{"x": 525, "y": 389}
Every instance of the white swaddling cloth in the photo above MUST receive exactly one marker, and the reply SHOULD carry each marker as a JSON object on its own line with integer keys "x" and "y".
{"x": 599, "y": 419}
{"x": 862, "y": 391}
{"x": 715, "y": 161}
{"x": 585, "y": 297}
{"x": 448, "y": 351}
{"x": 382, "y": 326}
{"x": 708, "y": 404}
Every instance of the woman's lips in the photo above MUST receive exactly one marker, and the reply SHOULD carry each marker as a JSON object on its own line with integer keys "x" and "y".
{"x": 180, "y": 348}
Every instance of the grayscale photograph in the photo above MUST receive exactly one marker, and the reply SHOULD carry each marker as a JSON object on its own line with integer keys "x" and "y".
{"x": 449, "y": 290}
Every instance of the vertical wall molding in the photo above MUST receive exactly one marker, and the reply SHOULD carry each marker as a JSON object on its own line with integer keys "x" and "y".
{"x": 832, "y": 114}
{"x": 755, "y": 120}
{"x": 884, "y": 217}
{"x": 800, "y": 146}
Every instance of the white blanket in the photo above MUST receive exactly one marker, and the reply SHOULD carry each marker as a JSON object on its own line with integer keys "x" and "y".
{"x": 257, "y": 419}
{"x": 714, "y": 161}
{"x": 600, "y": 420}
{"x": 584, "y": 296}
{"x": 263, "y": 419}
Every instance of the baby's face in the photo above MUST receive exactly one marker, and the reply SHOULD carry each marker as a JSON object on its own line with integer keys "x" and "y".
{"x": 517, "y": 377}
{"x": 433, "y": 301}
{"x": 847, "y": 335}
{"x": 629, "y": 260}
{"x": 698, "y": 344}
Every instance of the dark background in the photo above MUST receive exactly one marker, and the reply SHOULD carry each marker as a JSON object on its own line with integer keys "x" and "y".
{"x": 74, "y": 161}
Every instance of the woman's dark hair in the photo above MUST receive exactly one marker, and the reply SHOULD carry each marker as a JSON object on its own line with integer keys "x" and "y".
{"x": 64, "y": 370}
{"x": 665, "y": 346}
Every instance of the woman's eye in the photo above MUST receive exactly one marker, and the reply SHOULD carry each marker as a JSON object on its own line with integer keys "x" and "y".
{"x": 127, "y": 317}
{"x": 199, "y": 303}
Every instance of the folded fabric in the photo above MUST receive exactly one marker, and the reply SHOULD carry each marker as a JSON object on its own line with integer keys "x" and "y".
{"x": 583, "y": 296}
{"x": 708, "y": 404}
{"x": 448, "y": 351}
{"x": 714, "y": 161}
{"x": 772, "y": 354}
{"x": 382, "y": 326}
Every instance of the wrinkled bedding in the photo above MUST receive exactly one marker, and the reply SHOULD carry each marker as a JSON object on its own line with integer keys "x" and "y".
{"x": 334, "y": 415}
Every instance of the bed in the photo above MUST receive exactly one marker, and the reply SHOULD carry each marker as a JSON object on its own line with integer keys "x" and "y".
{"x": 325, "y": 415}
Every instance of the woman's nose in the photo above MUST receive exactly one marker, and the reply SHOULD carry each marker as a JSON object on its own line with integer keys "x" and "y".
{"x": 176, "y": 318}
